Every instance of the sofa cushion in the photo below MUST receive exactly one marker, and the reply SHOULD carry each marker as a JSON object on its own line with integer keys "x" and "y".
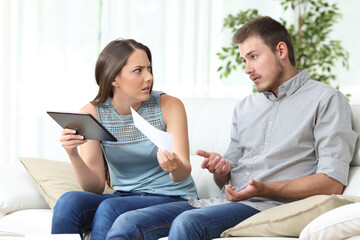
{"x": 52, "y": 178}
{"x": 17, "y": 192}
{"x": 354, "y": 179}
{"x": 27, "y": 221}
{"x": 205, "y": 185}
{"x": 288, "y": 220}
{"x": 340, "y": 223}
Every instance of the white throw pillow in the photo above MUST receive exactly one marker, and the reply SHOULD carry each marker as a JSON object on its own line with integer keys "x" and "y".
{"x": 340, "y": 223}
{"x": 17, "y": 191}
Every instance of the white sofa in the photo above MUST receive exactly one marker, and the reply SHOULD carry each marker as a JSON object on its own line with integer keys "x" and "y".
{"x": 24, "y": 210}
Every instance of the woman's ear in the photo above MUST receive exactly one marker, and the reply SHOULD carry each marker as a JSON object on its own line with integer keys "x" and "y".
{"x": 282, "y": 50}
{"x": 115, "y": 82}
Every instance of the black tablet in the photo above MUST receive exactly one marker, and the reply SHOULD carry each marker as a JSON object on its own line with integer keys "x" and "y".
{"x": 84, "y": 124}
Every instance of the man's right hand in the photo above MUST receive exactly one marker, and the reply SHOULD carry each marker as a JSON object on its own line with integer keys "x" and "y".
{"x": 214, "y": 163}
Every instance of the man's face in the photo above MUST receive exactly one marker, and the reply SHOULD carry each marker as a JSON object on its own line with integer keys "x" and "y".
{"x": 263, "y": 66}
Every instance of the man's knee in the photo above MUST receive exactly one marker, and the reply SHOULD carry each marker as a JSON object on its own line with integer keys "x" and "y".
{"x": 187, "y": 219}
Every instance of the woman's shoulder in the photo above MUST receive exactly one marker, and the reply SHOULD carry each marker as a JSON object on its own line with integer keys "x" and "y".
{"x": 90, "y": 108}
{"x": 170, "y": 101}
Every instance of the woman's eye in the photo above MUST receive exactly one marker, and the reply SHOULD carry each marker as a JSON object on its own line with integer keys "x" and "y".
{"x": 254, "y": 56}
{"x": 150, "y": 69}
{"x": 137, "y": 70}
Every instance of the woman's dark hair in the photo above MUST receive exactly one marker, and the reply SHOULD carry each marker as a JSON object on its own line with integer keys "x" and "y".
{"x": 270, "y": 31}
{"x": 109, "y": 64}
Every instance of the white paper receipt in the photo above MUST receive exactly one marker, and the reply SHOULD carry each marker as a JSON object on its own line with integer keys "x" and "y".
{"x": 161, "y": 139}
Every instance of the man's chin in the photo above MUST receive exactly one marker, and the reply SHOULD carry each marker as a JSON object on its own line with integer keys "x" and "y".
{"x": 259, "y": 89}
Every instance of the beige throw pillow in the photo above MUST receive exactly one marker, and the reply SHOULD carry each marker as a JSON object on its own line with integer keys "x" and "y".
{"x": 288, "y": 220}
{"x": 52, "y": 178}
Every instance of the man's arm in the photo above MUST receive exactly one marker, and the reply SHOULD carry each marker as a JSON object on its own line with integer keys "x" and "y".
{"x": 298, "y": 188}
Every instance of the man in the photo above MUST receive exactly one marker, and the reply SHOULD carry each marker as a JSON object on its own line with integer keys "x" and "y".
{"x": 291, "y": 140}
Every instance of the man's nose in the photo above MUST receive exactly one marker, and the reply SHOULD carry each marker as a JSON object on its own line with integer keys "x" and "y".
{"x": 249, "y": 69}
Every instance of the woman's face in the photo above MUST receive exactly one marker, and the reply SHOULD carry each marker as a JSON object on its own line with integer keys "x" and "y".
{"x": 135, "y": 79}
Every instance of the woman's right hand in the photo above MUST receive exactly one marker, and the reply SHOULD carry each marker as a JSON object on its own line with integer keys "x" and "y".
{"x": 70, "y": 141}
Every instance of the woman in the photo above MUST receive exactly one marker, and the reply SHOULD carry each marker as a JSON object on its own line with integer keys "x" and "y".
{"x": 140, "y": 174}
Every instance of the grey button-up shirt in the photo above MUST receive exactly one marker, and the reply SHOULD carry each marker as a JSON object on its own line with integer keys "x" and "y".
{"x": 305, "y": 130}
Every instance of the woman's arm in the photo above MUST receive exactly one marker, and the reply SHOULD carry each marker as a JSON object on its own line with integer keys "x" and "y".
{"x": 174, "y": 115}
{"x": 89, "y": 164}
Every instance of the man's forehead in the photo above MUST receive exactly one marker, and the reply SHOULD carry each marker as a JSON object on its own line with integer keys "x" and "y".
{"x": 250, "y": 45}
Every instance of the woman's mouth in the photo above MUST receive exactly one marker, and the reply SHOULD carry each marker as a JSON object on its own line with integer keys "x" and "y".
{"x": 146, "y": 89}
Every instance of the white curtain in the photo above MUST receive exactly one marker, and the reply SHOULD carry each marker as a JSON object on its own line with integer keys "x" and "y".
{"x": 48, "y": 54}
{"x": 48, "y": 50}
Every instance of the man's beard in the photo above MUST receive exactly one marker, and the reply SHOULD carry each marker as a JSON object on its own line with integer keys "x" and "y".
{"x": 275, "y": 81}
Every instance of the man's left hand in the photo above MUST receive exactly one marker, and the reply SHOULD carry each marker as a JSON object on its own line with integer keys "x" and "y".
{"x": 255, "y": 188}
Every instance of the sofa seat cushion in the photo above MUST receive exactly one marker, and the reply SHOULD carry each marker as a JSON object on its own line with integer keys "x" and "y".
{"x": 33, "y": 221}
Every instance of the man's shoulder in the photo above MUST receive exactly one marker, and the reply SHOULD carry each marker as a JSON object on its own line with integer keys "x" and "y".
{"x": 322, "y": 90}
{"x": 317, "y": 85}
{"x": 251, "y": 101}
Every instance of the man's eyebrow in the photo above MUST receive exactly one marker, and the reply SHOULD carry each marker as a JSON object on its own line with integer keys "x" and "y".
{"x": 249, "y": 53}
{"x": 252, "y": 51}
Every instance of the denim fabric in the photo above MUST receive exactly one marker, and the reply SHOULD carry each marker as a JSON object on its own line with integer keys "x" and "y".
{"x": 209, "y": 222}
{"x": 181, "y": 219}
{"x": 77, "y": 212}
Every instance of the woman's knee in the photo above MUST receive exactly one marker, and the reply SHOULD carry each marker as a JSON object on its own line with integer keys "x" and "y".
{"x": 67, "y": 201}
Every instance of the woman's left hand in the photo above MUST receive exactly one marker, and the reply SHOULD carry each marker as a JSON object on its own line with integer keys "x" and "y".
{"x": 167, "y": 161}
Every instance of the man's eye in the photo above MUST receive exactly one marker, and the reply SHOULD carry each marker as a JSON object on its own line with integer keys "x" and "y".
{"x": 254, "y": 56}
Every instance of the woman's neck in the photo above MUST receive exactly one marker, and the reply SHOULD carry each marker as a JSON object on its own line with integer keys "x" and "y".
{"x": 122, "y": 107}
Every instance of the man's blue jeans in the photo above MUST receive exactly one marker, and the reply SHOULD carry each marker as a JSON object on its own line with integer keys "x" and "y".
{"x": 77, "y": 212}
{"x": 181, "y": 219}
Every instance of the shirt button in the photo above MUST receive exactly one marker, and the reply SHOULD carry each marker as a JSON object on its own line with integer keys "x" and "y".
{"x": 271, "y": 122}
{"x": 255, "y": 157}
{"x": 266, "y": 143}
{"x": 247, "y": 173}
{"x": 276, "y": 102}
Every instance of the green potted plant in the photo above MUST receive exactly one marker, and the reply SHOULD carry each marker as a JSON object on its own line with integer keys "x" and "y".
{"x": 314, "y": 50}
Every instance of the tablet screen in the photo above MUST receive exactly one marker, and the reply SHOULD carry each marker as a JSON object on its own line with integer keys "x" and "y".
{"x": 84, "y": 124}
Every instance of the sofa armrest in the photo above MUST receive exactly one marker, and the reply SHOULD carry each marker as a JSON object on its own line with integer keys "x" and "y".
{"x": 17, "y": 191}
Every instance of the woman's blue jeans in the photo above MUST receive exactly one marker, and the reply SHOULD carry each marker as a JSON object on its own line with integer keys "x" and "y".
{"x": 179, "y": 220}
{"x": 77, "y": 212}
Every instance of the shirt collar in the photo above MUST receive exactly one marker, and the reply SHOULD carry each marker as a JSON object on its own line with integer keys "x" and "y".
{"x": 290, "y": 86}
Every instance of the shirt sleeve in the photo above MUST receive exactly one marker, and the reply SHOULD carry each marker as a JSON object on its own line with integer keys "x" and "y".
{"x": 334, "y": 137}
{"x": 234, "y": 153}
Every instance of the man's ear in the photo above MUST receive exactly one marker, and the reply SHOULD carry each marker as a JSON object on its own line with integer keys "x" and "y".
{"x": 282, "y": 50}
